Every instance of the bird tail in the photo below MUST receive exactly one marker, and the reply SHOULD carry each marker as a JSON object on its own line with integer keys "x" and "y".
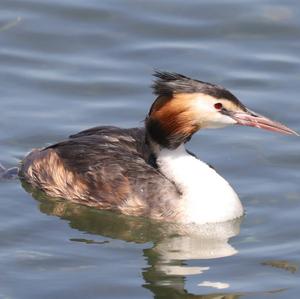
{"x": 8, "y": 173}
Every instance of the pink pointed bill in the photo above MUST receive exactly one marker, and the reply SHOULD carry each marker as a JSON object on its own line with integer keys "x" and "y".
{"x": 251, "y": 119}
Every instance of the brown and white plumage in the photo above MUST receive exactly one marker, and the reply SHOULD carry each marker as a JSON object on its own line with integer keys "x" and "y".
{"x": 105, "y": 168}
{"x": 147, "y": 171}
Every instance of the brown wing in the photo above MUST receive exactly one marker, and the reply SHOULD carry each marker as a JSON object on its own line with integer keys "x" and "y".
{"x": 106, "y": 169}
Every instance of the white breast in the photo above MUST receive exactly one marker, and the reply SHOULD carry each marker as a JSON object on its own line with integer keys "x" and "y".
{"x": 206, "y": 196}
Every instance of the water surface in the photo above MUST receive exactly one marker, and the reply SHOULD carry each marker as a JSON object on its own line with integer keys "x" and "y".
{"x": 69, "y": 65}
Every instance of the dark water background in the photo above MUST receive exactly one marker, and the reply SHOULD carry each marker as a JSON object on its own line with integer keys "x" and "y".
{"x": 69, "y": 65}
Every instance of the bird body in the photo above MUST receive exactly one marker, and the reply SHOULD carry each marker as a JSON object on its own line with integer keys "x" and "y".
{"x": 147, "y": 171}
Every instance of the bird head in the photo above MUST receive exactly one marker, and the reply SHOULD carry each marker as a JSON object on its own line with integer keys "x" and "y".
{"x": 184, "y": 106}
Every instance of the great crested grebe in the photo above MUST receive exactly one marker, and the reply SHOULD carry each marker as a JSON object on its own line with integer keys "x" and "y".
{"x": 147, "y": 171}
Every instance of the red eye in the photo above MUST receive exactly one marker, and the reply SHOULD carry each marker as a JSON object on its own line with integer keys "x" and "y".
{"x": 218, "y": 106}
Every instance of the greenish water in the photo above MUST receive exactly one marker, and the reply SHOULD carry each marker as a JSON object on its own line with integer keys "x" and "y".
{"x": 69, "y": 65}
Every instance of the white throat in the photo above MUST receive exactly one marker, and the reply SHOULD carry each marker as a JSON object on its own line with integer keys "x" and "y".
{"x": 206, "y": 196}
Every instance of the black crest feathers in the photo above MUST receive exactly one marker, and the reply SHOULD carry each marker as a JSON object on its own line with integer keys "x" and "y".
{"x": 167, "y": 84}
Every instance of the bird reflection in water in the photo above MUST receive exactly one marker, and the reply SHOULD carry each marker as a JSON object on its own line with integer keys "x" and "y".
{"x": 173, "y": 244}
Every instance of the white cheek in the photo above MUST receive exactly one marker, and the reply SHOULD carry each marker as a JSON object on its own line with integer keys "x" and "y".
{"x": 210, "y": 117}
{"x": 219, "y": 120}
{"x": 204, "y": 105}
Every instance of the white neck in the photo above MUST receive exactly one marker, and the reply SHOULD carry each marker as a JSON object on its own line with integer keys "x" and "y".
{"x": 206, "y": 196}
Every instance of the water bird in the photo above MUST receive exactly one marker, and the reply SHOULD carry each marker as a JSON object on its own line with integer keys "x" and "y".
{"x": 148, "y": 171}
